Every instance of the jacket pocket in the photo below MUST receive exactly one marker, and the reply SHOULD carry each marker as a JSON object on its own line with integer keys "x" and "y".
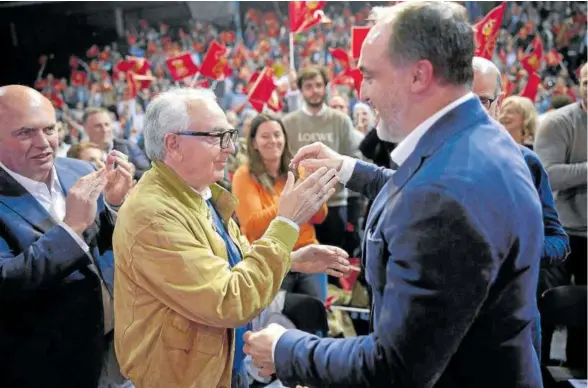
{"x": 375, "y": 262}
{"x": 209, "y": 340}
{"x": 175, "y": 356}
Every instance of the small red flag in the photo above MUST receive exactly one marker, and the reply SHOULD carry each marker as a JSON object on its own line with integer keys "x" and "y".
{"x": 181, "y": 66}
{"x": 358, "y": 35}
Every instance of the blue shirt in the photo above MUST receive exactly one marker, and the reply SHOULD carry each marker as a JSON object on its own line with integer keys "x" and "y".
{"x": 234, "y": 255}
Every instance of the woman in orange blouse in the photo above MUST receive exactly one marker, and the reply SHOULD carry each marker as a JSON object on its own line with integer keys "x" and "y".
{"x": 258, "y": 185}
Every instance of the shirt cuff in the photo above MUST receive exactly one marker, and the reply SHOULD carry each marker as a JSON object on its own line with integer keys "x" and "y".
{"x": 76, "y": 237}
{"x": 289, "y": 222}
{"x": 346, "y": 170}
{"x": 113, "y": 210}
{"x": 274, "y": 347}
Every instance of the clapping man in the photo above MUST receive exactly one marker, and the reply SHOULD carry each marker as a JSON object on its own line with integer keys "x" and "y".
{"x": 55, "y": 224}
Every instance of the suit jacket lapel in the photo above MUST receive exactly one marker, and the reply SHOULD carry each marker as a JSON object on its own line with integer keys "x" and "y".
{"x": 453, "y": 122}
{"x": 66, "y": 176}
{"x": 23, "y": 203}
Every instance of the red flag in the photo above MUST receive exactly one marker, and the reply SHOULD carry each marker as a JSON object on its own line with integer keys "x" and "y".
{"x": 215, "y": 62}
{"x": 181, "y": 66}
{"x": 305, "y": 14}
{"x": 341, "y": 56}
{"x": 139, "y": 66}
{"x": 78, "y": 78}
{"x": 553, "y": 58}
{"x": 358, "y": 35}
{"x": 261, "y": 90}
{"x": 530, "y": 90}
{"x": 486, "y": 32}
{"x": 275, "y": 103}
{"x": 532, "y": 61}
{"x": 137, "y": 82}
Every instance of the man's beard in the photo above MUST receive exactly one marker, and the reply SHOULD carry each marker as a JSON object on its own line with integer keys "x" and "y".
{"x": 315, "y": 104}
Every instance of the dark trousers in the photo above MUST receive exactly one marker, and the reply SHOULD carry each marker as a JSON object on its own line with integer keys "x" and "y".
{"x": 576, "y": 343}
{"x": 301, "y": 283}
{"x": 333, "y": 231}
{"x": 574, "y": 269}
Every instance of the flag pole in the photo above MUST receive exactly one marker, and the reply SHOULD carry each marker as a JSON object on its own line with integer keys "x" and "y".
{"x": 194, "y": 79}
{"x": 292, "y": 66}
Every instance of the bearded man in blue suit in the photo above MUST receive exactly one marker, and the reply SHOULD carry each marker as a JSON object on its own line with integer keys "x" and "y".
{"x": 453, "y": 239}
{"x": 55, "y": 225}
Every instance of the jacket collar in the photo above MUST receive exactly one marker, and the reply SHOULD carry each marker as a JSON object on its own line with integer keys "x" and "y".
{"x": 23, "y": 203}
{"x": 224, "y": 202}
{"x": 453, "y": 122}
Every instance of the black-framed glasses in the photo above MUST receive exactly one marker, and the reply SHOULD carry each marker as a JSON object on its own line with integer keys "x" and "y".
{"x": 486, "y": 101}
{"x": 226, "y": 136}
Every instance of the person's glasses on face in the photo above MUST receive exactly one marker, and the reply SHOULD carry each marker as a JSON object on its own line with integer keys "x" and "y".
{"x": 486, "y": 101}
{"x": 226, "y": 136}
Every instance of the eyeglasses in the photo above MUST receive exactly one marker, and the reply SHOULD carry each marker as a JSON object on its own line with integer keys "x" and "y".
{"x": 225, "y": 136}
{"x": 486, "y": 101}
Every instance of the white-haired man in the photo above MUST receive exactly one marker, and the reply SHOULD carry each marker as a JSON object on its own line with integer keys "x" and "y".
{"x": 487, "y": 86}
{"x": 185, "y": 276}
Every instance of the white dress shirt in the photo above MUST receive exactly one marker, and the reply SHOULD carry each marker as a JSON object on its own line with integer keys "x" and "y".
{"x": 406, "y": 146}
{"x": 52, "y": 199}
{"x": 399, "y": 155}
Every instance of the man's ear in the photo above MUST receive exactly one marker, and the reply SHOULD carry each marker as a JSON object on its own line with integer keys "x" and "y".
{"x": 498, "y": 103}
{"x": 172, "y": 146}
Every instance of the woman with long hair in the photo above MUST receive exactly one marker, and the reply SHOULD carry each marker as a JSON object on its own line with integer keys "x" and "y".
{"x": 258, "y": 184}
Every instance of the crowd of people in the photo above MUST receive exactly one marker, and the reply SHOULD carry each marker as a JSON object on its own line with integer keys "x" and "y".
{"x": 108, "y": 197}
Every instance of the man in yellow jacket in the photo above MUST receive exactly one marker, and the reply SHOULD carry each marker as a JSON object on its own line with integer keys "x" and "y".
{"x": 185, "y": 277}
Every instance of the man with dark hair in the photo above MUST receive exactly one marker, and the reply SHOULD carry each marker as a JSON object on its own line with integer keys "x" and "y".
{"x": 316, "y": 121}
{"x": 97, "y": 124}
{"x": 452, "y": 269}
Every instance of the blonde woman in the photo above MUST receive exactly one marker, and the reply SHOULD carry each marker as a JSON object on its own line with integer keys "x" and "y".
{"x": 519, "y": 117}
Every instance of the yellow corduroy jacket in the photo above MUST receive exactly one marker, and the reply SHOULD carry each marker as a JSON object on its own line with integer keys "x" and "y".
{"x": 176, "y": 301}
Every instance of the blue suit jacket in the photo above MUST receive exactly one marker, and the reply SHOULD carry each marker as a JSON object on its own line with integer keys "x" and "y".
{"x": 451, "y": 250}
{"x": 52, "y": 324}
{"x": 557, "y": 242}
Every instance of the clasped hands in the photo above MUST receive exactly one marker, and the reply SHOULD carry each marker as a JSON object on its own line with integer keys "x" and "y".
{"x": 115, "y": 180}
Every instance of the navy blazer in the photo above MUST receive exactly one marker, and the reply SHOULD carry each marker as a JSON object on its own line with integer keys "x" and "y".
{"x": 51, "y": 321}
{"x": 557, "y": 242}
{"x": 451, "y": 250}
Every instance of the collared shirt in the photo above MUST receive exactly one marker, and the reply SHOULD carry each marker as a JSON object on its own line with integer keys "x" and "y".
{"x": 52, "y": 198}
{"x": 408, "y": 145}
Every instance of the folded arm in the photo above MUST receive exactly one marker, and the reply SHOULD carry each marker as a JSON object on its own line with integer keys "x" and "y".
{"x": 427, "y": 307}
{"x": 184, "y": 274}
{"x": 552, "y": 147}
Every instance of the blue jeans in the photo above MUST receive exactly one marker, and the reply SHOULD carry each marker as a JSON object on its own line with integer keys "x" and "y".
{"x": 240, "y": 380}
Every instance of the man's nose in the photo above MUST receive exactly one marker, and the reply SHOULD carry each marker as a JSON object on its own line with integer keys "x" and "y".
{"x": 42, "y": 141}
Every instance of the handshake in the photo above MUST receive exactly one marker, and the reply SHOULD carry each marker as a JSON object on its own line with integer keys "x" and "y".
{"x": 301, "y": 200}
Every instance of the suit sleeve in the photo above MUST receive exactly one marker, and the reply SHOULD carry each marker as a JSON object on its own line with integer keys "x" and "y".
{"x": 42, "y": 265}
{"x": 556, "y": 245}
{"x": 427, "y": 306}
{"x": 368, "y": 179}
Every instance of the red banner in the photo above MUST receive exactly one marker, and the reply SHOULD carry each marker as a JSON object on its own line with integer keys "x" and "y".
{"x": 486, "y": 32}
{"x": 181, "y": 66}
{"x": 305, "y": 14}
{"x": 358, "y": 35}
{"x": 215, "y": 64}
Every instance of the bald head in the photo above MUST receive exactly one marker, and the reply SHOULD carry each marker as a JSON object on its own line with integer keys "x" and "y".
{"x": 28, "y": 137}
{"x": 487, "y": 84}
